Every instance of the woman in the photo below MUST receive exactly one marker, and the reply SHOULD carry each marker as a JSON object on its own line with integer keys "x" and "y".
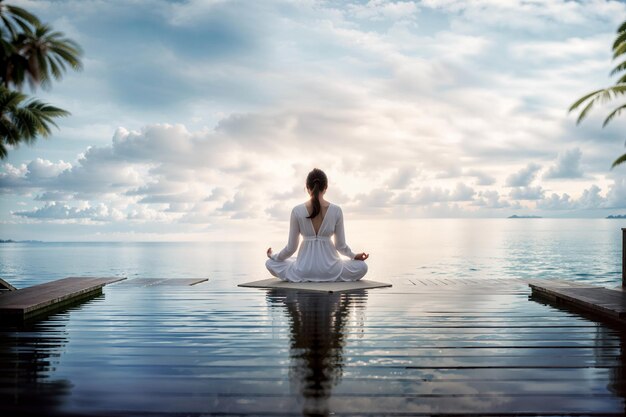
{"x": 317, "y": 220}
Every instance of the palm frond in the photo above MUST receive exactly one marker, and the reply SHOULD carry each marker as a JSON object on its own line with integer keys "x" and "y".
{"x": 583, "y": 99}
{"x": 14, "y": 18}
{"x": 23, "y": 15}
{"x": 619, "y": 161}
{"x": 618, "y": 68}
{"x": 614, "y": 113}
{"x": 23, "y": 120}
{"x": 585, "y": 111}
{"x": 599, "y": 96}
{"x": 621, "y": 37}
{"x": 619, "y": 50}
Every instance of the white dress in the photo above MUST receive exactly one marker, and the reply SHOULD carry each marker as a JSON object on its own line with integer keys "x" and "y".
{"x": 318, "y": 260}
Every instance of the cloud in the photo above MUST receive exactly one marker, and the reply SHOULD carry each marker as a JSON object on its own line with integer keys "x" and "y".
{"x": 567, "y": 166}
{"x": 569, "y": 49}
{"x": 279, "y": 211}
{"x": 145, "y": 214}
{"x": 402, "y": 178}
{"x": 412, "y": 108}
{"x": 241, "y": 206}
{"x": 482, "y": 178}
{"x": 429, "y": 195}
{"x": 462, "y": 192}
{"x": 491, "y": 199}
{"x": 37, "y": 173}
{"x": 590, "y": 199}
{"x": 530, "y": 16}
{"x": 376, "y": 198}
{"x": 56, "y": 211}
{"x": 527, "y": 193}
{"x": 40, "y": 169}
{"x": 616, "y": 197}
{"x": 54, "y": 196}
{"x": 377, "y": 10}
{"x": 556, "y": 202}
{"x": 217, "y": 194}
{"x": 523, "y": 177}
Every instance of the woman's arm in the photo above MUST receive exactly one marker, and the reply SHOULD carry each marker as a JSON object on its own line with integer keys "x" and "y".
{"x": 340, "y": 238}
{"x": 292, "y": 242}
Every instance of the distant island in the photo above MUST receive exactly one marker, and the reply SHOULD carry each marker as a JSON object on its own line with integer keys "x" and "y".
{"x": 616, "y": 216}
{"x": 515, "y": 216}
{"x": 19, "y": 241}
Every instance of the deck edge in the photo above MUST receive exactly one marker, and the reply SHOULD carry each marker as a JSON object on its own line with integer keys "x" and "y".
{"x": 598, "y": 310}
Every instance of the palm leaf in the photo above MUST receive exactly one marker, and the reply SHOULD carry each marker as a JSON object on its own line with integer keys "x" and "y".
{"x": 618, "y": 68}
{"x": 619, "y": 50}
{"x": 23, "y": 15}
{"x": 8, "y": 24}
{"x": 614, "y": 113}
{"x": 621, "y": 37}
{"x": 598, "y": 96}
{"x": 586, "y": 110}
{"x": 24, "y": 121}
{"x": 583, "y": 99}
{"x": 619, "y": 161}
{"x": 13, "y": 17}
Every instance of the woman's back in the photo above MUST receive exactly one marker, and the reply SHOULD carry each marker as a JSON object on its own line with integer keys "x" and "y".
{"x": 321, "y": 225}
{"x": 319, "y": 219}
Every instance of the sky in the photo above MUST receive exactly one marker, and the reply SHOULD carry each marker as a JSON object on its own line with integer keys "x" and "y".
{"x": 199, "y": 120}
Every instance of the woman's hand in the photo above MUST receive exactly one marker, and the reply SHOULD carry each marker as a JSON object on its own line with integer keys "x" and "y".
{"x": 269, "y": 253}
{"x": 361, "y": 256}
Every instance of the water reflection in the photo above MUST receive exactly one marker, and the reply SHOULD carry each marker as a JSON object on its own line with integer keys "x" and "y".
{"x": 609, "y": 347}
{"x": 317, "y": 324}
{"x": 606, "y": 355}
{"x": 29, "y": 354}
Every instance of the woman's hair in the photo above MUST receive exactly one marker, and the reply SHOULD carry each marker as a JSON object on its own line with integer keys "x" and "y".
{"x": 316, "y": 182}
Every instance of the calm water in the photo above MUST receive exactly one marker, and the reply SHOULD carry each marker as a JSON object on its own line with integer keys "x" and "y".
{"x": 216, "y": 348}
{"x": 579, "y": 249}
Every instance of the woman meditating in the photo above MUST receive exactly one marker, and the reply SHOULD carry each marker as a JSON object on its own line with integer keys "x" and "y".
{"x": 317, "y": 220}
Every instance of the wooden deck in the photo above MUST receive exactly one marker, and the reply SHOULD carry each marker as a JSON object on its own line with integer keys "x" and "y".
{"x": 29, "y": 302}
{"x": 5, "y": 286}
{"x": 607, "y": 303}
{"x": 162, "y": 282}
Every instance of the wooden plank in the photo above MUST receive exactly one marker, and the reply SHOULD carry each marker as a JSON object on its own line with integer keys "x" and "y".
{"x": 603, "y": 301}
{"x": 5, "y": 286}
{"x": 162, "y": 282}
{"x": 30, "y": 301}
{"x": 329, "y": 287}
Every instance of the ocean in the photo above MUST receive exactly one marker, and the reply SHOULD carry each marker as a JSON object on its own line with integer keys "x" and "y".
{"x": 575, "y": 249}
{"x": 422, "y": 347}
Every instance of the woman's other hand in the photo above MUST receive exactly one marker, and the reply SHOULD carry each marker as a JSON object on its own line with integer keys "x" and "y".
{"x": 269, "y": 253}
{"x": 361, "y": 256}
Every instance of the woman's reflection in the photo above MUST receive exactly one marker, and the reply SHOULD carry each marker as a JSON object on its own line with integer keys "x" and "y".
{"x": 318, "y": 334}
